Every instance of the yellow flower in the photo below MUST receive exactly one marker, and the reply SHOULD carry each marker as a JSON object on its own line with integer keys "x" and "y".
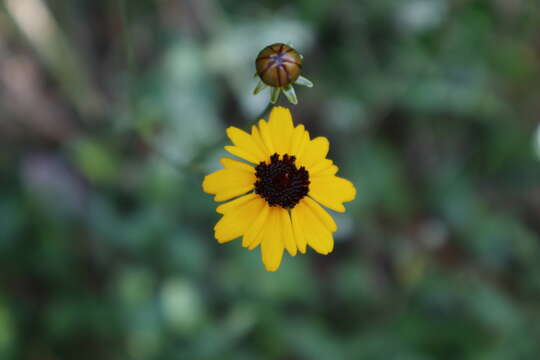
{"x": 277, "y": 194}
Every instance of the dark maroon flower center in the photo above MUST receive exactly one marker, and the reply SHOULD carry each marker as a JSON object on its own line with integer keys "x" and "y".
{"x": 281, "y": 182}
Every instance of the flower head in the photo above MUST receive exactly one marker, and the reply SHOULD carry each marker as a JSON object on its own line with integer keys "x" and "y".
{"x": 276, "y": 191}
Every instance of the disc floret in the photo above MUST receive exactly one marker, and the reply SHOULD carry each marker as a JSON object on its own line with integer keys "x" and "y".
{"x": 280, "y": 182}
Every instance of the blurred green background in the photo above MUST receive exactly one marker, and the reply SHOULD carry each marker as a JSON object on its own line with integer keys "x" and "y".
{"x": 111, "y": 113}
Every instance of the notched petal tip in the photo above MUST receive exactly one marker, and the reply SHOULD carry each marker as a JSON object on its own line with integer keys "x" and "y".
{"x": 281, "y": 115}
{"x": 278, "y": 108}
{"x": 332, "y": 191}
{"x": 230, "y": 131}
{"x": 206, "y": 185}
{"x": 270, "y": 263}
{"x": 353, "y": 190}
{"x": 271, "y": 269}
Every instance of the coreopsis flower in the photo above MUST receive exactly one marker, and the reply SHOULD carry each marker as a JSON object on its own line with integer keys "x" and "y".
{"x": 276, "y": 190}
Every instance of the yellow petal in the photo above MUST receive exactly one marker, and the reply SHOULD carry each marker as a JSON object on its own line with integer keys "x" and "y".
{"x": 285, "y": 227}
{"x": 272, "y": 242}
{"x": 266, "y": 136}
{"x": 236, "y": 165}
{"x": 256, "y": 134}
{"x": 323, "y": 168}
{"x": 236, "y": 151}
{"x": 322, "y": 242}
{"x": 228, "y": 183}
{"x": 255, "y": 241}
{"x": 332, "y": 191}
{"x": 237, "y": 221}
{"x": 245, "y": 145}
{"x": 231, "y": 205}
{"x": 321, "y": 214}
{"x": 253, "y": 235}
{"x": 281, "y": 129}
{"x": 299, "y": 138}
{"x": 314, "y": 152}
{"x": 298, "y": 229}
{"x": 315, "y": 231}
